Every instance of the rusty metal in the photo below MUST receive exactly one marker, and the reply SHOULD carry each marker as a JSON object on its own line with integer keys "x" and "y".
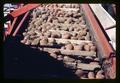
{"x": 20, "y": 24}
{"x": 107, "y": 50}
{"x": 11, "y": 26}
{"x": 8, "y": 28}
{"x": 23, "y": 9}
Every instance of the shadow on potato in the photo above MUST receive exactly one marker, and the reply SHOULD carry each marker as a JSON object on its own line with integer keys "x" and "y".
{"x": 21, "y": 61}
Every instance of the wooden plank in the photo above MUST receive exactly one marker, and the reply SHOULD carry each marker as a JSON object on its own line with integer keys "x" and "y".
{"x": 64, "y": 41}
{"x": 81, "y": 53}
{"x": 63, "y": 32}
{"x": 71, "y": 52}
{"x": 88, "y": 66}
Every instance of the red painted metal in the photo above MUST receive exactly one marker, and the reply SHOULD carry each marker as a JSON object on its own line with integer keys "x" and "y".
{"x": 23, "y": 9}
{"x": 106, "y": 48}
{"x": 114, "y": 66}
{"x": 8, "y": 28}
{"x": 11, "y": 26}
{"x": 18, "y": 27}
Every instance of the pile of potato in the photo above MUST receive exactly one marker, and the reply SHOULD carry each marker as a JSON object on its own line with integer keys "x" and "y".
{"x": 80, "y": 47}
{"x": 44, "y": 20}
{"x": 72, "y": 63}
{"x": 57, "y": 23}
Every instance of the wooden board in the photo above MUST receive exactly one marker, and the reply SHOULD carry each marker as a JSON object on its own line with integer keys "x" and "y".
{"x": 88, "y": 66}
{"x": 71, "y": 52}
{"x": 64, "y": 41}
{"x": 63, "y": 32}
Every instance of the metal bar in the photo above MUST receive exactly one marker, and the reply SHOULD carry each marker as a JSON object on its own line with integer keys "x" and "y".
{"x": 106, "y": 48}
{"x": 20, "y": 23}
{"x": 11, "y": 26}
{"x": 23, "y": 9}
{"x": 7, "y": 30}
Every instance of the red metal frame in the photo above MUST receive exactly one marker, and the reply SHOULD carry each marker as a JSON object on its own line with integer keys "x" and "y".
{"x": 23, "y": 9}
{"x": 18, "y": 27}
{"x": 11, "y": 26}
{"x": 8, "y": 28}
{"x": 19, "y": 12}
{"x": 107, "y": 49}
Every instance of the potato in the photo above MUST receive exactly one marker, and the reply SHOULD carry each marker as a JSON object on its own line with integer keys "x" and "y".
{"x": 63, "y": 48}
{"x": 65, "y": 28}
{"x": 96, "y": 59}
{"x": 31, "y": 32}
{"x": 61, "y": 20}
{"x": 71, "y": 29}
{"x": 84, "y": 33}
{"x": 90, "y": 44}
{"x": 56, "y": 35}
{"x": 100, "y": 72}
{"x": 35, "y": 41}
{"x": 66, "y": 36}
{"x": 69, "y": 47}
{"x": 74, "y": 34}
{"x": 28, "y": 42}
{"x": 86, "y": 47}
{"x": 52, "y": 40}
{"x": 77, "y": 15}
{"x": 57, "y": 51}
{"x": 53, "y": 55}
{"x": 82, "y": 22}
{"x": 74, "y": 38}
{"x": 23, "y": 41}
{"x": 99, "y": 76}
{"x": 93, "y": 48}
{"x": 55, "y": 21}
{"x": 78, "y": 47}
{"x": 79, "y": 72}
{"x": 44, "y": 41}
{"x": 38, "y": 33}
{"x": 24, "y": 33}
{"x": 44, "y": 17}
{"x": 32, "y": 37}
{"x": 68, "y": 59}
{"x": 47, "y": 34}
{"x": 27, "y": 37}
{"x": 70, "y": 20}
{"x": 60, "y": 57}
{"x": 50, "y": 19}
{"x": 91, "y": 75}
{"x": 38, "y": 23}
{"x": 70, "y": 65}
